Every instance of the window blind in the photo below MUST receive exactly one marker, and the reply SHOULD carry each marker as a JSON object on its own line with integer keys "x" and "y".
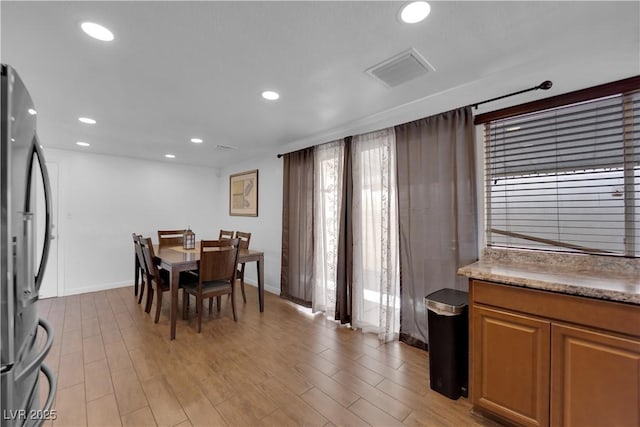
{"x": 567, "y": 178}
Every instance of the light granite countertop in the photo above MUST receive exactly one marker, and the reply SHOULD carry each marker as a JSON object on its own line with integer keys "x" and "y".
{"x": 607, "y": 278}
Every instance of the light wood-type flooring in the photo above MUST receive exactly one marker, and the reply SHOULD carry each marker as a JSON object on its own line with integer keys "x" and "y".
{"x": 283, "y": 367}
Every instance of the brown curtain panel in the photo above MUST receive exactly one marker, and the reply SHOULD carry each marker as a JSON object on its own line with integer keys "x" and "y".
{"x": 438, "y": 224}
{"x": 296, "y": 273}
{"x": 344, "y": 279}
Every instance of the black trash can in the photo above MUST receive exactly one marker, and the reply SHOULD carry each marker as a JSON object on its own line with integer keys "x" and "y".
{"x": 448, "y": 317}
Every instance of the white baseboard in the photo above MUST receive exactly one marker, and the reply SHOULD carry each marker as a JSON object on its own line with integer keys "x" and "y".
{"x": 270, "y": 289}
{"x": 96, "y": 288}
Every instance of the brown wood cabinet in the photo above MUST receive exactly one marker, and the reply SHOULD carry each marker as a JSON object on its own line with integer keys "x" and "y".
{"x": 540, "y": 358}
{"x": 511, "y": 357}
{"x": 595, "y": 378}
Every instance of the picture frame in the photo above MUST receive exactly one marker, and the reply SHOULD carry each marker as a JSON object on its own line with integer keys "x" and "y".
{"x": 243, "y": 193}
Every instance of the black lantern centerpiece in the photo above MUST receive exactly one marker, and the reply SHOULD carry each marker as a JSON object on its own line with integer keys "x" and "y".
{"x": 189, "y": 239}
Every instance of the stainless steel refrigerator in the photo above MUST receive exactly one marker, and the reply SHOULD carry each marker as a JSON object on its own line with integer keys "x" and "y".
{"x": 25, "y": 338}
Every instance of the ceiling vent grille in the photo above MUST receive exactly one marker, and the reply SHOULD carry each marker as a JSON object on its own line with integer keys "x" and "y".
{"x": 225, "y": 147}
{"x": 400, "y": 69}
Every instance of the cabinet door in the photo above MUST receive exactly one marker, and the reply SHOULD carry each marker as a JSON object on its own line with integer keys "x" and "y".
{"x": 510, "y": 368}
{"x": 595, "y": 378}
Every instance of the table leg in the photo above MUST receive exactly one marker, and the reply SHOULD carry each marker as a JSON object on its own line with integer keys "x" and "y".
{"x": 260, "y": 265}
{"x": 174, "y": 284}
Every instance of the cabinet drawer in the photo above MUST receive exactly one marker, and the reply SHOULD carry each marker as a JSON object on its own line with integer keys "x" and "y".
{"x": 607, "y": 315}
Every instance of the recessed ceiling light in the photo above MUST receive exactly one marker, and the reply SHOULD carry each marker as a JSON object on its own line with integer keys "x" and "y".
{"x": 270, "y": 95}
{"x": 170, "y": 156}
{"x": 513, "y": 128}
{"x": 32, "y": 111}
{"x": 97, "y": 31}
{"x": 87, "y": 120}
{"x": 82, "y": 144}
{"x": 196, "y": 140}
{"x": 415, "y": 12}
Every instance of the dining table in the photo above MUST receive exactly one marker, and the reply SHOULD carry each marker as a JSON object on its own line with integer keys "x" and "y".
{"x": 176, "y": 259}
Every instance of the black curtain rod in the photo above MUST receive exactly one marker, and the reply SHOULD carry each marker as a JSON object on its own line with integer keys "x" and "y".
{"x": 294, "y": 151}
{"x": 545, "y": 85}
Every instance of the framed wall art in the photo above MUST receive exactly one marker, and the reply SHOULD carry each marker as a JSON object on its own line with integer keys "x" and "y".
{"x": 243, "y": 194}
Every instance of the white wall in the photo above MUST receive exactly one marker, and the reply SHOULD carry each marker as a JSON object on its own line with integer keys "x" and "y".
{"x": 266, "y": 228}
{"x": 103, "y": 199}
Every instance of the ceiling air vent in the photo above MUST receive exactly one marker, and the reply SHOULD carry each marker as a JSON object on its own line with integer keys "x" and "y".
{"x": 225, "y": 147}
{"x": 403, "y": 67}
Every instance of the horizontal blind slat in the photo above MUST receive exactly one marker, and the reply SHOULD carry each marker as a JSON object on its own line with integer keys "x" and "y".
{"x": 566, "y": 179}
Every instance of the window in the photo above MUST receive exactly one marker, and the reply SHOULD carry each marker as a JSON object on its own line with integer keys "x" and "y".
{"x": 373, "y": 218}
{"x": 566, "y": 178}
{"x": 328, "y": 176}
{"x": 376, "y": 256}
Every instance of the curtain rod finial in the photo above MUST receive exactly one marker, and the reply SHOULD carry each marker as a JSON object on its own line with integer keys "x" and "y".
{"x": 545, "y": 85}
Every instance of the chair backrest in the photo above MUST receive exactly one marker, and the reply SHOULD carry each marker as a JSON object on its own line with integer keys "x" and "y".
{"x": 218, "y": 260}
{"x": 149, "y": 257}
{"x": 244, "y": 239}
{"x": 225, "y": 234}
{"x": 139, "y": 254}
{"x": 170, "y": 237}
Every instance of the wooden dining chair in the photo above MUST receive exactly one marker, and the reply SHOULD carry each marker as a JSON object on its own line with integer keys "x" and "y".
{"x": 171, "y": 237}
{"x": 158, "y": 278}
{"x": 222, "y": 235}
{"x": 244, "y": 244}
{"x": 225, "y": 234}
{"x": 217, "y": 274}
{"x": 140, "y": 267}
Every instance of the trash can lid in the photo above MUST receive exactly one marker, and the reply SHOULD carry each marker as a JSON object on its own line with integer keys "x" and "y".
{"x": 451, "y": 300}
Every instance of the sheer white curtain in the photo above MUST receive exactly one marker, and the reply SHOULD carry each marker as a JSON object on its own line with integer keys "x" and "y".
{"x": 376, "y": 271}
{"x": 328, "y": 174}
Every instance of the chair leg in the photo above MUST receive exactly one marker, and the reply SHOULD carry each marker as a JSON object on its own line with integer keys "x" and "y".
{"x": 141, "y": 291}
{"x": 199, "y": 302}
{"x": 244, "y": 296}
{"x": 210, "y": 304}
{"x": 158, "y": 305}
{"x": 143, "y": 284}
{"x": 136, "y": 277}
{"x": 233, "y": 305}
{"x": 150, "y": 292}
{"x": 219, "y": 302}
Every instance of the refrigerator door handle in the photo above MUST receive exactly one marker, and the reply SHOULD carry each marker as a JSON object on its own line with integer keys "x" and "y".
{"x": 47, "y": 202}
{"x": 45, "y": 413}
{"x": 46, "y": 410}
{"x": 37, "y": 362}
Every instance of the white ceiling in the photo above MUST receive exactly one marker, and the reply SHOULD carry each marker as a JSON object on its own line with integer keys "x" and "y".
{"x": 178, "y": 70}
